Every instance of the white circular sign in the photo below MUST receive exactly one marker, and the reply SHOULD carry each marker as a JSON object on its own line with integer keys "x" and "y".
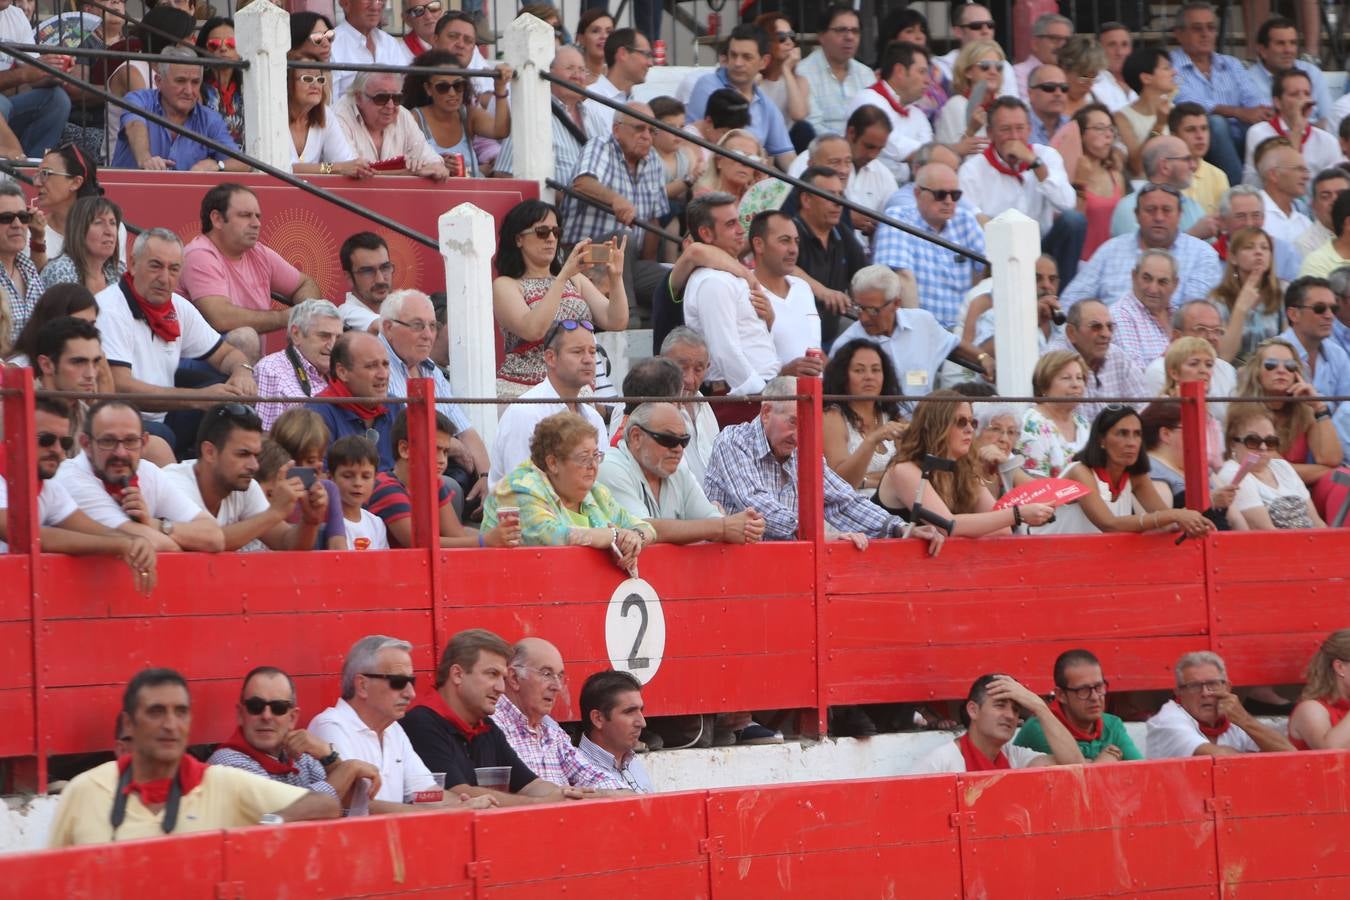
{"x": 635, "y": 630}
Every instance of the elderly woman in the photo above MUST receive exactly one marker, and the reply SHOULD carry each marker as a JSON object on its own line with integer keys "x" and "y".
{"x": 1053, "y": 432}
{"x": 956, "y": 125}
{"x": 727, "y": 174}
{"x": 90, "y": 256}
{"x": 318, "y": 146}
{"x": 444, "y": 108}
{"x": 946, "y": 428}
{"x": 1250, "y": 290}
{"x": 1272, "y": 495}
{"x": 859, "y": 435}
{"x": 999, "y": 468}
{"x": 557, "y": 499}
{"x": 379, "y": 129}
{"x": 1319, "y": 721}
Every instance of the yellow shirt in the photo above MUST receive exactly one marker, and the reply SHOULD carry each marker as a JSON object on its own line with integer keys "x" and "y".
{"x": 1322, "y": 261}
{"x": 1207, "y": 187}
{"x": 226, "y": 798}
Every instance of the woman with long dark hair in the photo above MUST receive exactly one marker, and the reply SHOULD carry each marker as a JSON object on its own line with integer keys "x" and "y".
{"x": 220, "y": 84}
{"x": 859, "y": 435}
{"x": 90, "y": 256}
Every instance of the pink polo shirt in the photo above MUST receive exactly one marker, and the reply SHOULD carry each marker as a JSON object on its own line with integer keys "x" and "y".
{"x": 247, "y": 281}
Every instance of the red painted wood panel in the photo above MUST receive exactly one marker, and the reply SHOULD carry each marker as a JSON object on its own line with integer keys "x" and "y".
{"x": 1276, "y": 606}
{"x": 1291, "y": 556}
{"x": 14, "y": 587}
{"x": 1268, "y": 658}
{"x": 16, "y": 711}
{"x": 16, "y": 655}
{"x": 184, "y": 868}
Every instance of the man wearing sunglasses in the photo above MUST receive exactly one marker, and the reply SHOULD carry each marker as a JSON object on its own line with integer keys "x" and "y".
{"x": 1049, "y": 33}
{"x": 63, "y": 526}
{"x": 359, "y": 39}
{"x": 419, "y": 25}
{"x": 1205, "y": 718}
{"x": 975, "y": 23}
{"x": 1312, "y": 308}
{"x": 1080, "y": 706}
{"x": 1048, "y": 98}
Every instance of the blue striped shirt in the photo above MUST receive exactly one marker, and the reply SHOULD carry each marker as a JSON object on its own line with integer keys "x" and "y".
{"x": 398, "y": 386}
{"x": 1226, "y": 85}
{"x": 943, "y": 277}
{"x": 1106, "y": 276}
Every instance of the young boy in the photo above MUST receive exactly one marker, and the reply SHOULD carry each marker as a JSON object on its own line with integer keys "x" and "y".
{"x": 352, "y": 462}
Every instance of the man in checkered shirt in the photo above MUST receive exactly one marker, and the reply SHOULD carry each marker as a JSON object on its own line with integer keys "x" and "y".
{"x": 534, "y": 679}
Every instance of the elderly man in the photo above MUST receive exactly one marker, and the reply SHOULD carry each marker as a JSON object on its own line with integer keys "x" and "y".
{"x": 1284, "y": 184}
{"x": 569, "y": 362}
{"x": 452, "y": 730}
{"x": 116, "y": 488}
{"x": 686, "y": 348}
{"x": 1277, "y": 51}
{"x": 754, "y": 466}
{"x": 1335, "y": 253}
{"x": 796, "y": 323}
{"x": 1294, "y": 117}
{"x": 628, "y": 58}
{"x": 359, "y": 39}
{"x": 1049, "y": 33}
{"x": 1311, "y": 308}
{"x": 1111, "y": 373}
{"x": 31, "y": 121}
{"x": 973, "y": 22}
{"x": 1202, "y": 319}
{"x": 407, "y": 330}
{"x": 1327, "y": 185}
{"x": 419, "y": 25}
{"x": 915, "y": 340}
{"x": 1144, "y": 315}
{"x": 992, "y": 711}
{"x": 1080, "y": 706}
{"x": 905, "y": 76}
{"x": 1189, "y": 122}
{"x": 1029, "y": 177}
{"x": 1106, "y": 276}
{"x": 221, "y": 482}
{"x": 832, "y": 73}
{"x": 268, "y": 744}
{"x": 1242, "y": 206}
{"x": 313, "y": 326}
{"x": 534, "y": 678}
{"x": 938, "y": 277}
{"x": 567, "y": 121}
{"x": 161, "y": 789}
{"x": 1048, "y": 99}
{"x": 231, "y": 277}
{"x": 1218, "y": 83}
{"x": 644, "y": 475}
{"x": 359, "y": 367}
{"x": 828, "y": 253}
{"x": 1205, "y": 718}
{"x": 612, "y": 723}
{"x": 377, "y": 688}
{"x": 142, "y": 144}
{"x": 744, "y": 55}
{"x": 381, "y": 131}
{"x": 1167, "y": 161}
{"x": 364, "y": 258}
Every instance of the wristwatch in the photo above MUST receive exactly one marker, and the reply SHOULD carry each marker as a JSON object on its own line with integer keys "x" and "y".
{"x": 1036, "y": 163}
{"x": 165, "y": 526}
{"x": 220, "y": 165}
{"x": 331, "y": 759}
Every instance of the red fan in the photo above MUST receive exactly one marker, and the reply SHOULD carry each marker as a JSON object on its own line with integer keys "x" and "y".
{"x": 1055, "y": 491}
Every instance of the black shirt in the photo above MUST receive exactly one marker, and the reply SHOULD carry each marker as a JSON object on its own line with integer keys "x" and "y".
{"x": 833, "y": 265}
{"x": 445, "y": 748}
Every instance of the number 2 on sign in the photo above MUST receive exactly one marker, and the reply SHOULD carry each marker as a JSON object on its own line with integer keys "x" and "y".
{"x": 635, "y": 600}
{"x": 635, "y": 629}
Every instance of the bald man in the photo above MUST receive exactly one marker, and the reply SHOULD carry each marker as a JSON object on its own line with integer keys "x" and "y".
{"x": 534, "y": 679}
{"x": 1167, "y": 160}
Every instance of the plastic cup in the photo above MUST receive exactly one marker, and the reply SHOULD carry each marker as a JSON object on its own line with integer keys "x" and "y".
{"x": 508, "y": 515}
{"x": 497, "y": 778}
{"x": 432, "y": 795}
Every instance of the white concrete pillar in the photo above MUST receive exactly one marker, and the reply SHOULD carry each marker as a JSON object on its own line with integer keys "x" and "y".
{"x": 264, "y": 34}
{"x": 468, "y": 238}
{"x": 1013, "y": 244}
{"x": 528, "y": 47}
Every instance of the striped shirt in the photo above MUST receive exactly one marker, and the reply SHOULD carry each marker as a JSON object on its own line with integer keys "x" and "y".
{"x": 398, "y": 385}
{"x": 630, "y": 773}
{"x": 311, "y": 776}
{"x": 566, "y": 149}
{"x": 1227, "y": 84}
{"x": 548, "y": 752}
{"x": 829, "y": 96}
{"x": 943, "y": 277}
{"x": 1107, "y": 275}
{"x": 603, "y": 160}
{"x": 1138, "y": 333}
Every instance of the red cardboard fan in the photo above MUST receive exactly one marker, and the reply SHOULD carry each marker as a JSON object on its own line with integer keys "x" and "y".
{"x": 1055, "y": 491}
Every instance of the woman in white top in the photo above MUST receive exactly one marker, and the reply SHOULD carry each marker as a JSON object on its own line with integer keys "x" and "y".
{"x": 1148, "y": 71}
{"x": 859, "y": 436}
{"x": 979, "y": 62}
{"x": 1272, "y": 495}
{"x": 1122, "y": 498}
{"x": 318, "y": 146}
{"x": 999, "y": 468}
{"x": 1053, "y": 432}
{"x": 779, "y": 81}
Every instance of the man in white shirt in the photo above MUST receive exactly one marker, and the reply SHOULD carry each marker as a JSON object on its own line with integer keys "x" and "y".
{"x": 975, "y": 23}
{"x": 992, "y": 710}
{"x": 905, "y": 77}
{"x": 221, "y": 482}
{"x": 1292, "y": 95}
{"x": 1110, "y": 88}
{"x": 569, "y": 357}
{"x": 118, "y": 489}
{"x": 359, "y": 39}
{"x": 1202, "y": 319}
{"x": 1205, "y": 718}
{"x": 365, "y": 258}
{"x": 686, "y": 348}
{"x": 1284, "y": 182}
{"x": 796, "y": 322}
{"x": 628, "y": 57}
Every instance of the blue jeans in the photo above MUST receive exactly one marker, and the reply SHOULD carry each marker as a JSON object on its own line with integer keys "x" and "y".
{"x": 1227, "y": 138}
{"x": 1064, "y": 242}
{"x": 37, "y": 118}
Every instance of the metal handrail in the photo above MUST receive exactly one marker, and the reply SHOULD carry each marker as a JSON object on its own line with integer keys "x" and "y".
{"x": 601, "y": 205}
{"x": 52, "y": 50}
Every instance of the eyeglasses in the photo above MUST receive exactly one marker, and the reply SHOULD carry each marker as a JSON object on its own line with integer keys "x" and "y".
{"x": 1290, "y": 365}
{"x": 312, "y": 79}
{"x": 44, "y": 173}
{"x": 1203, "y": 27}
{"x": 385, "y": 268}
{"x": 417, "y": 325}
{"x": 785, "y": 37}
{"x": 386, "y": 98}
{"x": 417, "y": 12}
{"x": 845, "y": 29}
{"x": 639, "y": 51}
{"x": 871, "y": 310}
{"x": 322, "y": 37}
{"x": 943, "y": 194}
{"x": 214, "y": 44}
{"x": 1254, "y": 441}
{"x": 638, "y": 127}
{"x": 665, "y": 438}
{"x": 1088, "y": 691}
{"x": 961, "y": 423}
{"x": 46, "y": 439}
{"x": 1321, "y": 309}
{"x": 237, "y": 411}
{"x": 1105, "y": 129}
{"x": 396, "y": 682}
{"x": 988, "y": 65}
{"x": 559, "y": 678}
{"x": 1212, "y": 686}
{"x": 109, "y": 443}
{"x": 982, "y": 25}
{"x": 24, "y": 217}
{"x": 587, "y": 460}
{"x": 1100, "y": 326}
{"x": 1052, "y": 87}
{"x": 544, "y": 232}
{"x": 255, "y": 706}
{"x": 445, "y": 87}
{"x": 1206, "y": 331}
{"x": 566, "y": 325}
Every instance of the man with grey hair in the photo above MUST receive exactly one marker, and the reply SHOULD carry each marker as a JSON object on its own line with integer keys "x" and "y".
{"x": 1203, "y": 319}
{"x": 1339, "y": 280}
{"x": 1049, "y": 33}
{"x": 377, "y": 689}
{"x": 1205, "y": 718}
{"x": 312, "y": 328}
{"x": 1167, "y": 161}
{"x": 1242, "y": 206}
{"x": 379, "y": 129}
{"x": 1144, "y": 315}
{"x": 686, "y": 348}
{"x": 142, "y": 144}
{"x": 1284, "y": 183}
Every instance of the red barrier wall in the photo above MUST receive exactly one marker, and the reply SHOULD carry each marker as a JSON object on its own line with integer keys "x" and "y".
{"x": 1253, "y": 826}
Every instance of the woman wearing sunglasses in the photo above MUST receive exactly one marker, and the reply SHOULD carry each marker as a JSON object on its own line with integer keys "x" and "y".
{"x": 1304, "y": 428}
{"x": 318, "y": 146}
{"x": 945, "y": 426}
{"x": 957, "y": 125}
{"x": 729, "y": 175}
{"x": 312, "y": 34}
{"x": 1251, "y": 291}
{"x": 220, "y": 84}
{"x": 1272, "y": 495}
{"x": 444, "y": 109}
{"x": 779, "y": 81}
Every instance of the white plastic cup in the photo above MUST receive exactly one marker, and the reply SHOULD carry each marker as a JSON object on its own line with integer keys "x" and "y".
{"x": 497, "y": 778}
{"x": 432, "y": 795}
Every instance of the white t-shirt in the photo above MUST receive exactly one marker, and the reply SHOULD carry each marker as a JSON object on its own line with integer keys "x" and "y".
{"x": 946, "y": 757}
{"x": 402, "y": 771}
{"x": 367, "y": 534}
{"x": 1254, "y": 493}
{"x": 14, "y": 29}
{"x": 1173, "y": 733}
{"x": 741, "y": 351}
{"x": 163, "y": 499}
{"x": 796, "y": 321}
{"x": 235, "y": 508}
{"x": 128, "y": 340}
{"x": 356, "y": 316}
{"x": 512, "y": 444}
{"x": 55, "y": 505}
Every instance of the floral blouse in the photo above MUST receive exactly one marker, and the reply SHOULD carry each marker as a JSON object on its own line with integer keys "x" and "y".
{"x": 544, "y": 521}
{"x": 1046, "y": 451}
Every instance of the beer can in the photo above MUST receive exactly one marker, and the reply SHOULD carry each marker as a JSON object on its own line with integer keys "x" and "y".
{"x": 457, "y": 168}
{"x": 815, "y": 353}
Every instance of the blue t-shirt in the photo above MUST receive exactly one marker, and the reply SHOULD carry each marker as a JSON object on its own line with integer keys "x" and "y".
{"x": 183, "y": 151}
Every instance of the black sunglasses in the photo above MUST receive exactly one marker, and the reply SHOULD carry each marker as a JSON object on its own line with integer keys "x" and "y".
{"x": 46, "y": 439}
{"x": 943, "y": 194}
{"x": 237, "y": 411}
{"x": 544, "y": 232}
{"x": 24, "y": 217}
{"x": 1320, "y": 309}
{"x": 785, "y": 37}
{"x": 445, "y": 87}
{"x": 1052, "y": 87}
{"x": 256, "y": 705}
{"x": 1254, "y": 441}
{"x": 666, "y": 439}
{"x": 396, "y": 682}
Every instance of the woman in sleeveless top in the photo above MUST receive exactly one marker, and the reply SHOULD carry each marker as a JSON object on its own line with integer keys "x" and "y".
{"x": 1319, "y": 721}
{"x": 1149, "y": 72}
{"x": 444, "y": 108}
{"x": 1099, "y": 174}
{"x": 859, "y": 436}
{"x": 534, "y": 289}
{"x": 221, "y": 90}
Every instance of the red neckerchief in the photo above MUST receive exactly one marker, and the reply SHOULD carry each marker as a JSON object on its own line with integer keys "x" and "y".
{"x": 190, "y": 774}
{"x": 415, "y": 43}
{"x": 1115, "y": 487}
{"x": 884, "y": 89}
{"x": 1221, "y": 246}
{"x": 227, "y": 95}
{"x": 117, "y": 490}
{"x": 1000, "y": 166}
{"x": 436, "y": 703}
{"x": 271, "y": 765}
{"x": 367, "y": 414}
{"x": 1283, "y": 131}
{"x": 1215, "y": 731}
{"x": 1095, "y": 734}
{"x": 163, "y": 320}
{"x": 975, "y": 759}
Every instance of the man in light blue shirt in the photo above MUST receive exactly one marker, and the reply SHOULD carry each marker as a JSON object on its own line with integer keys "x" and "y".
{"x": 1277, "y": 49}
{"x": 832, "y": 73}
{"x": 1312, "y": 309}
{"x": 142, "y": 144}
{"x": 1166, "y": 161}
{"x": 743, "y": 57}
{"x": 1340, "y": 286}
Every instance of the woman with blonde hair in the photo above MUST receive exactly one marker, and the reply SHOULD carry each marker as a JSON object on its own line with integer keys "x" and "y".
{"x": 978, "y": 62}
{"x": 728, "y": 175}
{"x": 1251, "y": 292}
{"x": 1192, "y": 359}
{"x": 1319, "y": 721}
{"x": 318, "y": 146}
{"x": 1053, "y": 432}
{"x": 1302, "y": 423}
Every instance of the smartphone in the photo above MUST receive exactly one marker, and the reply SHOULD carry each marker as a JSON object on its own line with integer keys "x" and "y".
{"x": 976, "y": 101}
{"x": 306, "y": 474}
{"x": 597, "y": 254}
